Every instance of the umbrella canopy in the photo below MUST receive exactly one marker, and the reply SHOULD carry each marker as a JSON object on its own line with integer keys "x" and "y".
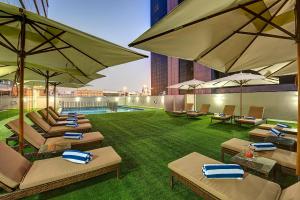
{"x": 189, "y": 85}
{"x": 241, "y": 79}
{"x": 228, "y": 36}
{"x": 280, "y": 69}
{"x": 55, "y": 46}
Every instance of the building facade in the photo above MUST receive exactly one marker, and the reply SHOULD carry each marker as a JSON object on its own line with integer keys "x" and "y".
{"x": 166, "y": 71}
{"x": 38, "y": 6}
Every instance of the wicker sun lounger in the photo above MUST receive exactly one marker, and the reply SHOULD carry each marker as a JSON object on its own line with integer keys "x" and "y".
{"x": 35, "y": 139}
{"x": 256, "y": 112}
{"x": 60, "y": 117}
{"x": 228, "y": 112}
{"x": 54, "y": 122}
{"x": 286, "y": 160}
{"x": 285, "y": 130}
{"x": 204, "y": 110}
{"x": 187, "y": 170}
{"x": 52, "y": 131}
{"x": 260, "y": 134}
{"x": 21, "y": 178}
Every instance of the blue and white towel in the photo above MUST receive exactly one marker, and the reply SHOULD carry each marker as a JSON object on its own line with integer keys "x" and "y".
{"x": 72, "y": 119}
{"x": 249, "y": 117}
{"x": 221, "y": 114}
{"x": 223, "y": 171}
{"x": 77, "y": 156}
{"x": 282, "y": 125}
{"x": 276, "y": 132}
{"x": 71, "y": 135}
{"x": 72, "y": 124}
{"x": 263, "y": 146}
{"x": 72, "y": 114}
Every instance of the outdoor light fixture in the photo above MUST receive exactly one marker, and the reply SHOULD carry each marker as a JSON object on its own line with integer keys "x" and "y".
{"x": 219, "y": 99}
{"x": 148, "y": 99}
{"x": 77, "y": 99}
{"x": 137, "y": 99}
{"x": 117, "y": 99}
{"x": 162, "y": 99}
{"x": 98, "y": 99}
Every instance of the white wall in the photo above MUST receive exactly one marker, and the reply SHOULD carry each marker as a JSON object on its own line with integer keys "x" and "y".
{"x": 278, "y": 105}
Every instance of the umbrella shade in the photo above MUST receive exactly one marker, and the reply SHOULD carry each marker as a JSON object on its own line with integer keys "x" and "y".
{"x": 189, "y": 85}
{"x": 281, "y": 69}
{"x": 41, "y": 83}
{"x": 228, "y": 36}
{"x": 55, "y": 46}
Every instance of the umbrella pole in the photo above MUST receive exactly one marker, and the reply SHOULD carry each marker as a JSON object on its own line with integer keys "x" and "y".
{"x": 297, "y": 13}
{"x": 195, "y": 100}
{"x": 54, "y": 93}
{"x": 47, "y": 95}
{"x": 22, "y": 55}
{"x": 241, "y": 99}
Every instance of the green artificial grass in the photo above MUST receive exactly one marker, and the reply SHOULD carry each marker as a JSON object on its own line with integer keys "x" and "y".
{"x": 147, "y": 141}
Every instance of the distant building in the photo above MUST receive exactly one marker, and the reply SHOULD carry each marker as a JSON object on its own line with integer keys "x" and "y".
{"x": 166, "y": 71}
{"x": 38, "y": 6}
{"x": 87, "y": 93}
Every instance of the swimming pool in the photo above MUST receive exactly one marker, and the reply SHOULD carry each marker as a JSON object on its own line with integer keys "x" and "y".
{"x": 98, "y": 110}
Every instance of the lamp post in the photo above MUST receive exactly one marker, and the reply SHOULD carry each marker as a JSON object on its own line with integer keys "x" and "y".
{"x": 124, "y": 92}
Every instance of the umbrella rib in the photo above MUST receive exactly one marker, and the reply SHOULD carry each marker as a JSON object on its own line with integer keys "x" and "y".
{"x": 192, "y": 23}
{"x": 45, "y": 42}
{"x": 8, "y": 22}
{"x": 283, "y": 67}
{"x": 57, "y": 49}
{"x": 48, "y": 49}
{"x": 6, "y": 46}
{"x": 255, "y": 37}
{"x": 97, "y": 61}
{"x": 77, "y": 78}
{"x": 265, "y": 35}
{"x": 8, "y": 42}
{"x": 269, "y": 22}
{"x": 265, "y": 68}
{"x": 233, "y": 33}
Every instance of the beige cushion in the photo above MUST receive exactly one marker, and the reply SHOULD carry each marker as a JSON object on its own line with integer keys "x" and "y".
{"x": 257, "y": 112}
{"x": 87, "y": 138}
{"x": 226, "y": 117}
{"x": 13, "y": 166}
{"x": 285, "y": 130}
{"x": 62, "y": 129}
{"x": 250, "y": 188}
{"x": 282, "y": 157}
{"x": 250, "y": 121}
{"x": 53, "y": 122}
{"x": 58, "y": 168}
{"x": 266, "y": 133}
{"x": 57, "y": 116}
{"x": 291, "y": 193}
{"x": 35, "y": 118}
{"x": 30, "y": 134}
{"x": 229, "y": 109}
{"x": 48, "y": 118}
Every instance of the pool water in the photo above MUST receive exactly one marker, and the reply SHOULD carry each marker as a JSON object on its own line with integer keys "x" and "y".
{"x": 98, "y": 110}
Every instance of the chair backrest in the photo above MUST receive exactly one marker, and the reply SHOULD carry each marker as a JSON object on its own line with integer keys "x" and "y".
{"x": 30, "y": 134}
{"x": 50, "y": 119}
{"x": 35, "y": 118}
{"x": 229, "y": 109}
{"x": 291, "y": 193}
{"x": 53, "y": 114}
{"x": 189, "y": 106}
{"x": 257, "y": 112}
{"x": 13, "y": 166}
{"x": 51, "y": 108}
{"x": 204, "y": 108}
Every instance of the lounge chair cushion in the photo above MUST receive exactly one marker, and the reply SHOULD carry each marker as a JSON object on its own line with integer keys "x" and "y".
{"x": 251, "y": 187}
{"x": 62, "y": 129}
{"x": 13, "y": 166}
{"x": 282, "y": 157}
{"x": 35, "y": 118}
{"x": 250, "y": 121}
{"x": 285, "y": 130}
{"x": 291, "y": 193}
{"x": 266, "y": 133}
{"x": 53, "y": 122}
{"x": 217, "y": 117}
{"x": 30, "y": 134}
{"x": 58, "y": 168}
{"x": 87, "y": 138}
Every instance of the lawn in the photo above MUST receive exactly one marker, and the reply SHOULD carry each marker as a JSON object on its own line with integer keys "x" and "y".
{"x": 147, "y": 141}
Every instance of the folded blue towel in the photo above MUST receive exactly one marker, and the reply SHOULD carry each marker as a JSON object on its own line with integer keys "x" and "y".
{"x": 72, "y": 119}
{"x": 249, "y": 117}
{"x": 72, "y": 124}
{"x": 276, "y": 132}
{"x": 263, "y": 146}
{"x": 282, "y": 125}
{"x": 223, "y": 171}
{"x": 221, "y": 114}
{"x": 76, "y": 156}
{"x": 71, "y": 135}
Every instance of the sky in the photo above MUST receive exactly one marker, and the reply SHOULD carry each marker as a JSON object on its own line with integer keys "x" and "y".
{"x": 118, "y": 21}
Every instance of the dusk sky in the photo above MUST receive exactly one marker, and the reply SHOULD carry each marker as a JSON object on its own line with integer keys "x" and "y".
{"x": 119, "y": 21}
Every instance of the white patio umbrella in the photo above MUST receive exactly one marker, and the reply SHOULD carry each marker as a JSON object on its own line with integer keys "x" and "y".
{"x": 280, "y": 69}
{"x": 230, "y": 35}
{"x": 240, "y": 79}
{"x": 189, "y": 85}
{"x": 33, "y": 41}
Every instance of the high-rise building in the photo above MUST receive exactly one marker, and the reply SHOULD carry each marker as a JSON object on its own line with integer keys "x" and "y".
{"x": 166, "y": 71}
{"x": 38, "y": 6}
